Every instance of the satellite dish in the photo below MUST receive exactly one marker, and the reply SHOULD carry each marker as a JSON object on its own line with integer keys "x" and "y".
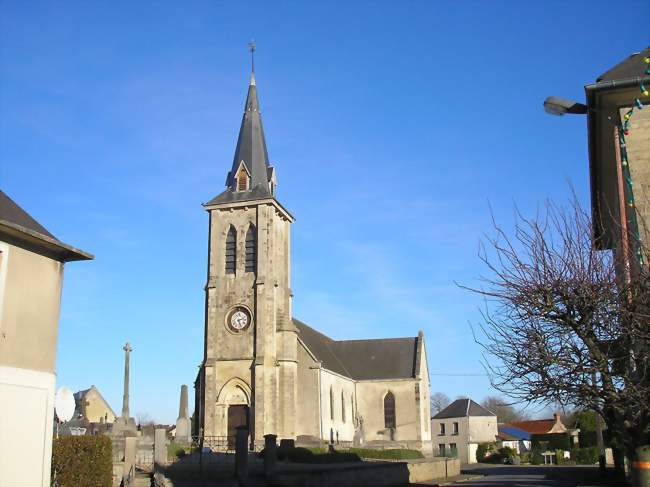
{"x": 64, "y": 404}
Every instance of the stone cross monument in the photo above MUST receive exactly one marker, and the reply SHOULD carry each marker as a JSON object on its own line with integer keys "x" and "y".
{"x": 183, "y": 423}
{"x": 125, "y": 424}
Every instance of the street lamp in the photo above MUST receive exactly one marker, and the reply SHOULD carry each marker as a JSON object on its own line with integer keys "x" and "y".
{"x": 554, "y": 105}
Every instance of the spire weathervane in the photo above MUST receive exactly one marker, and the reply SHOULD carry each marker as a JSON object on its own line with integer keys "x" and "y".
{"x": 251, "y": 47}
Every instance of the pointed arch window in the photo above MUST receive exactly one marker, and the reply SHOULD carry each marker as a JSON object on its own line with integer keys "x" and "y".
{"x": 331, "y": 403}
{"x": 389, "y": 411}
{"x": 251, "y": 249}
{"x": 342, "y": 407}
{"x": 231, "y": 250}
{"x": 242, "y": 179}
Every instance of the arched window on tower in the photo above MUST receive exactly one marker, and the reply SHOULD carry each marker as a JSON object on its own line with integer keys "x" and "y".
{"x": 331, "y": 403}
{"x": 231, "y": 250}
{"x": 251, "y": 249}
{"x": 389, "y": 411}
{"x": 242, "y": 179}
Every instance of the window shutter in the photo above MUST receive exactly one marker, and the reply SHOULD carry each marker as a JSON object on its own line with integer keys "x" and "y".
{"x": 231, "y": 251}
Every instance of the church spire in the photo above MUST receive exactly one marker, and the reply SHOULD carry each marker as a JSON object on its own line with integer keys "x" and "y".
{"x": 251, "y": 176}
{"x": 251, "y": 159}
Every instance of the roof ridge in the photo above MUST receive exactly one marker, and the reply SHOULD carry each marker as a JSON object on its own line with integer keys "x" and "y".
{"x": 373, "y": 339}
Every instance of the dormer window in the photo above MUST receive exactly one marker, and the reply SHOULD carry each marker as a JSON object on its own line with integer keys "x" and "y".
{"x": 242, "y": 179}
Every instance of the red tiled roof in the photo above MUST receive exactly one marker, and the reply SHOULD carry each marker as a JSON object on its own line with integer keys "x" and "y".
{"x": 535, "y": 427}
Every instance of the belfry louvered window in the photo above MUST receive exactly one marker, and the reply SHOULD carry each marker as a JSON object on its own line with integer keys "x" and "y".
{"x": 251, "y": 249}
{"x": 231, "y": 251}
{"x": 389, "y": 411}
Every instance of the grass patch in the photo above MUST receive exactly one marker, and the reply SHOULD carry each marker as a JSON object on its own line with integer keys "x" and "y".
{"x": 176, "y": 450}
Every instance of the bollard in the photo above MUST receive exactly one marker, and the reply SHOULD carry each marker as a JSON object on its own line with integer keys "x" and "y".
{"x": 270, "y": 457}
{"x": 241, "y": 455}
{"x": 641, "y": 467}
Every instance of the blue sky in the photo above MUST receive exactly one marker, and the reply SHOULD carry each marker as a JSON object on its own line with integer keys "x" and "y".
{"x": 393, "y": 126}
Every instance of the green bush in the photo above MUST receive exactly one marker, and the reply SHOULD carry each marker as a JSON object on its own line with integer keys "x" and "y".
{"x": 82, "y": 461}
{"x": 525, "y": 457}
{"x": 320, "y": 455}
{"x": 536, "y": 457}
{"x": 175, "y": 450}
{"x": 552, "y": 441}
{"x": 585, "y": 456}
{"x": 483, "y": 450}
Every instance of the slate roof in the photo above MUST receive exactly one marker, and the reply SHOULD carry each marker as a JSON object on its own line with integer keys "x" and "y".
{"x": 11, "y": 212}
{"x": 251, "y": 149}
{"x": 632, "y": 67}
{"x": 387, "y": 358}
{"x": 461, "y": 408}
{"x": 18, "y": 226}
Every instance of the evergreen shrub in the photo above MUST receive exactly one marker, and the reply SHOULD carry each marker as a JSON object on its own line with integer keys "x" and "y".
{"x": 82, "y": 461}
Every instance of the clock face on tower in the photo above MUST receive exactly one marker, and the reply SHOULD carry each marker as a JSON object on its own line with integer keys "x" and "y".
{"x": 238, "y": 319}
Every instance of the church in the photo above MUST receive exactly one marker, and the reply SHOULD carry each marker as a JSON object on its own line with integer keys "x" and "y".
{"x": 267, "y": 370}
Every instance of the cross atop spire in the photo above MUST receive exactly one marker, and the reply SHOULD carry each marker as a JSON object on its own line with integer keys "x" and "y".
{"x": 252, "y": 47}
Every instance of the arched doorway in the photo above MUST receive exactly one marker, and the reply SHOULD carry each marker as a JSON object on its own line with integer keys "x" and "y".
{"x": 235, "y": 396}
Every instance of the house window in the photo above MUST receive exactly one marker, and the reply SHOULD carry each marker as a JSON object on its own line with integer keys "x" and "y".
{"x": 331, "y": 403}
{"x": 251, "y": 249}
{"x": 453, "y": 452}
{"x": 454, "y": 428}
{"x": 389, "y": 411}
{"x": 242, "y": 180}
{"x": 231, "y": 251}
{"x": 441, "y": 431}
{"x": 342, "y": 407}
{"x": 441, "y": 449}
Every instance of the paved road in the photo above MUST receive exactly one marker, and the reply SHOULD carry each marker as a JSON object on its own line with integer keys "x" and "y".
{"x": 532, "y": 476}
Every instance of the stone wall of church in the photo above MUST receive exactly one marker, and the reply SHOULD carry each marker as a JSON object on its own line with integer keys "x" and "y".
{"x": 370, "y": 395}
{"x": 308, "y": 410}
{"x": 338, "y": 403}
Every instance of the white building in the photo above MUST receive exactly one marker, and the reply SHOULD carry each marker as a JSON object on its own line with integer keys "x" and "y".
{"x": 31, "y": 279}
{"x": 458, "y": 429}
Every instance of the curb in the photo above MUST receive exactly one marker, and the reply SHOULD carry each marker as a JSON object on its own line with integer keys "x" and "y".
{"x": 466, "y": 479}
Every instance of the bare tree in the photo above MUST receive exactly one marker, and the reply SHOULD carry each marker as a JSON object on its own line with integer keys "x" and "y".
{"x": 439, "y": 401}
{"x": 561, "y": 325}
{"x": 506, "y": 413}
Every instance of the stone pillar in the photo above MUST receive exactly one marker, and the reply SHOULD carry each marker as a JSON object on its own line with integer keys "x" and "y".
{"x": 130, "y": 445}
{"x": 125, "y": 398}
{"x": 241, "y": 455}
{"x": 270, "y": 456}
{"x": 125, "y": 425}
{"x": 159, "y": 448}
{"x": 183, "y": 423}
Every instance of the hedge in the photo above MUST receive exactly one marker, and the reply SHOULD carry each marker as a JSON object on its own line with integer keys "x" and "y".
{"x": 552, "y": 441}
{"x": 585, "y": 456}
{"x": 82, "y": 461}
{"x": 588, "y": 438}
{"x": 388, "y": 454}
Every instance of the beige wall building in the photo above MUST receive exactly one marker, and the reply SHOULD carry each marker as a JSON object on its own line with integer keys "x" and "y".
{"x": 461, "y": 427}
{"x": 91, "y": 405}
{"x": 264, "y": 368}
{"x": 31, "y": 278}
{"x": 619, "y": 156}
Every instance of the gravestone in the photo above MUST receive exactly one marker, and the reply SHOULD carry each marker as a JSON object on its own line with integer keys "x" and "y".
{"x": 183, "y": 423}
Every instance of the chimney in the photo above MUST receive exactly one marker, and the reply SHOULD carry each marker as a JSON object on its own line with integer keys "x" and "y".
{"x": 556, "y": 417}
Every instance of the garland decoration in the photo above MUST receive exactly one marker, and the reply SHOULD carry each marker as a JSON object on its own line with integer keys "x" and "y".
{"x": 623, "y": 131}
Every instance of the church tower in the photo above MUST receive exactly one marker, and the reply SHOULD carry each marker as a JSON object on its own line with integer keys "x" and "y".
{"x": 249, "y": 371}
